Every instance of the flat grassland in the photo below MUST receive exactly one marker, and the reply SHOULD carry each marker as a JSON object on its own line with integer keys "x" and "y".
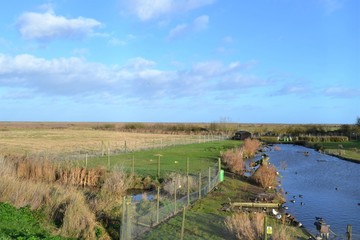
{"x": 55, "y": 139}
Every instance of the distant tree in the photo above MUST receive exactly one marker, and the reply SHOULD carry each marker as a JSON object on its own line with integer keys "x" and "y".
{"x": 357, "y": 122}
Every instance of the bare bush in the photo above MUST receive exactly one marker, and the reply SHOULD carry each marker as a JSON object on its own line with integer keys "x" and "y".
{"x": 234, "y": 159}
{"x": 265, "y": 176}
{"x": 250, "y": 147}
{"x": 116, "y": 183}
{"x": 246, "y": 226}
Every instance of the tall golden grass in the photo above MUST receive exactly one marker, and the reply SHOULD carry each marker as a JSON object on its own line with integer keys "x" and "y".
{"x": 60, "y": 191}
{"x": 250, "y": 147}
{"x": 265, "y": 176}
{"x": 234, "y": 160}
{"x": 76, "y": 219}
{"x": 44, "y": 170}
{"x": 246, "y": 226}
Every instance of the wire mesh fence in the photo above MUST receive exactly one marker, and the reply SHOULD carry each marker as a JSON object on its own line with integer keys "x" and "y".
{"x": 140, "y": 213}
{"x": 107, "y": 148}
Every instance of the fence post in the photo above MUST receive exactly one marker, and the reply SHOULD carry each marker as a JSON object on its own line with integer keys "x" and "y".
{"x": 122, "y": 226}
{"x": 108, "y": 154}
{"x": 183, "y": 225}
{"x": 348, "y": 232}
{"x": 265, "y": 227}
{"x": 158, "y": 205}
{"x": 209, "y": 188}
{"x": 128, "y": 220}
{"x": 188, "y": 189}
{"x": 219, "y": 165}
{"x": 175, "y": 196}
{"x": 125, "y": 146}
{"x": 187, "y": 166}
{"x": 133, "y": 164}
{"x": 199, "y": 185}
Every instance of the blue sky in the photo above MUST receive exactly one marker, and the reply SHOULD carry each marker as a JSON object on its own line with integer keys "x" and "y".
{"x": 246, "y": 61}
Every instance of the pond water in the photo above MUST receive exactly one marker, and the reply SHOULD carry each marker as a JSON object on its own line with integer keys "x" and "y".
{"x": 323, "y": 186}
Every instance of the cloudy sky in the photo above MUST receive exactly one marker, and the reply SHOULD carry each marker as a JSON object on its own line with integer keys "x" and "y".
{"x": 246, "y": 61}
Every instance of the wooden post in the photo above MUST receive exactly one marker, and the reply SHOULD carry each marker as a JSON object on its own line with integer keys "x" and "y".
{"x": 199, "y": 185}
{"x": 188, "y": 189}
{"x": 86, "y": 162}
{"x": 265, "y": 227}
{"x": 108, "y": 157}
{"x": 349, "y": 232}
{"x": 122, "y": 226}
{"x": 175, "y": 187}
{"x": 128, "y": 220}
{"x": 183, "y": 225}
{"x": 209, "y": 188}
{"x": 187, "y": 166}
{"x": 133, "y": 164}
{"x": 125, "y": 146}
{"x": 102, "y": 148}
{"x": 219, "y": 166}
{"x": 158, "y": 205}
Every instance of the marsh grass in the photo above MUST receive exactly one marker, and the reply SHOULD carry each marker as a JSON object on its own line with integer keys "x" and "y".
{"x": 246, "y": 226}
{"x": 265, "y": 176}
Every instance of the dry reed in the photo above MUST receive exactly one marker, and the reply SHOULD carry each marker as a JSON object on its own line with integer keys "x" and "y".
{"x": 265, "y": 176}
{"x": 246, "y": 226}
{"x": 250, "y": 147}
{"x": 234, "y": 159}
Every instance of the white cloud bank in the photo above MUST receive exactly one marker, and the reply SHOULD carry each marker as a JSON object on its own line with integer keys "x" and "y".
{"x": 139, "y": 78}
{"x": 49, "y": 26}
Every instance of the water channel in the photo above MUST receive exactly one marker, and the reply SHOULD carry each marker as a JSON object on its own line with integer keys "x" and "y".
{"x": 320, "y": 186}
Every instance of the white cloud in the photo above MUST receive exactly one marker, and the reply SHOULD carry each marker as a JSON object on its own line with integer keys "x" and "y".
{"x": 147, "y": 10}
{"x": 139, "y": 78}
{"x": 49, "y": 26}
{"x": 200, "y": 23}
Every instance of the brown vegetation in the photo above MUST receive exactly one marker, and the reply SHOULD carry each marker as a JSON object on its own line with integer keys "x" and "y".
{"x": 250, "y": 147}
{"x": 71, "y": 197}
{"x": 265, "y": 176}
{"x": 45, "y": 170}
{"x": 246, "y": 226}
{"x": 234, "y": 160}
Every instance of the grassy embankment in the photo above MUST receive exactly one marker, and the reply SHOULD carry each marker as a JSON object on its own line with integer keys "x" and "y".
{"x": 205, "y": 219}
{"x": 347, "y": 150}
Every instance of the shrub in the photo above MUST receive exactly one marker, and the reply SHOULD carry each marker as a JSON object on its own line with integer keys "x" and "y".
{"x": 265, "y": 176}
{"x": 246, "y": 226}
{"x": 234, "y": 159}
{"x": 250, "y": 147}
